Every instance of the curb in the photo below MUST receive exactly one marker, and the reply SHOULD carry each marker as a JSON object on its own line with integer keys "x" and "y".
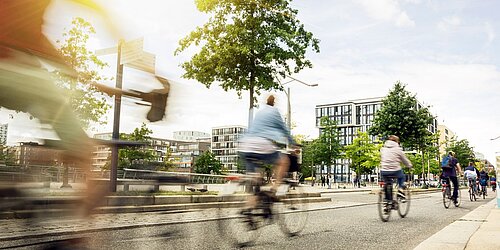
{"x": 457, "y": 234}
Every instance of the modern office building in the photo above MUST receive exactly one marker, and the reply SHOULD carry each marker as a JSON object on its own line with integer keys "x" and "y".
{"x": 190, "y": 135}
{"x": 225, "y": 145}
{"x": 3, "y": 134}
{"x": 352, "y": 116}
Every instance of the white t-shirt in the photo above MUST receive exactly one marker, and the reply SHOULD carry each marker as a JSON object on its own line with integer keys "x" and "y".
{"x": 257, "y": 145}
{"x": 470, "y": 174}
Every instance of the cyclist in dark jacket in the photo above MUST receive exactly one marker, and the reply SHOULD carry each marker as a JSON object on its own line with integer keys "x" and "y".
{"x": 483, "y": 180}
{"x": 450, "y": 171}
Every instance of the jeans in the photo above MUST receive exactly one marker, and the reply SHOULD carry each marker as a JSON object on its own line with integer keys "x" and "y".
{"x": 454, "y": 180}
{"x": 388, "y": 175}
{"x": 472, "y": 183}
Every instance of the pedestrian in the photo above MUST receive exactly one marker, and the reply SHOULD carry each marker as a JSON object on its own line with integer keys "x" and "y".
{"x": 353, "y": 176}
{"x": 293, "y": 155}
{"x": 329, "y": 181}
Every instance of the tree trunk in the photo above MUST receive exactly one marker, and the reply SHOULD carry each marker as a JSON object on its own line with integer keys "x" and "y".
{"x": 250, "y": 108}
{"x": 423, "y": 167}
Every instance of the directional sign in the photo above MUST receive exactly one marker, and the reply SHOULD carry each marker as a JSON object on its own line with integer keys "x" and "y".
{"x": 133, "y": 55}
{"x": 132, "y": 50}
{"x": 145, "y": 63}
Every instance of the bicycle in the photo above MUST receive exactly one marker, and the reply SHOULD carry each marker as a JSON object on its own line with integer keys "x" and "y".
{"x": 482, "y": 191}
{"x": 401, "y": 204}
{"x": 447, "y": 194}
{"x": 472, "y": 191}
{"x": 241, "y": 226}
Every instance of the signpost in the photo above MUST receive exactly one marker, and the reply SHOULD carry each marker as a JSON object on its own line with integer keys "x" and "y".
{"x": 130, "y": 54}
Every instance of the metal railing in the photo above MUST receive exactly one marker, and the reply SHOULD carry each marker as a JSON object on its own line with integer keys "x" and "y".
{"x": 190, "y": 177}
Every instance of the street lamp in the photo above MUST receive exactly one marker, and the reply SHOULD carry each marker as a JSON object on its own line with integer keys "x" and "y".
{"x": 287, "y": 92}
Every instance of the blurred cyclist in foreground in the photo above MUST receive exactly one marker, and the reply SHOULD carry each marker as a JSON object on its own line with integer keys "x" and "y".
{"x": 27, "y": 86}
{"x": 266, "y": 135}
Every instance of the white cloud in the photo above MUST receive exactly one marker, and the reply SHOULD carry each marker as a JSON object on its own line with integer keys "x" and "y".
{"x": 387, "y": 10}
{"x": 490, "y": 33}
{"x": 448, "y": 23}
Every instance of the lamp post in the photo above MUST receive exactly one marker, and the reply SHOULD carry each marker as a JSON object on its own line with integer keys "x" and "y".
{"x": 497, "y": 169}
{"x": 287, "y": 92}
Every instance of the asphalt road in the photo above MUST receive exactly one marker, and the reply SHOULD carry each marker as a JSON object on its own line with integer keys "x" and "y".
{"x": 352, "y": 227}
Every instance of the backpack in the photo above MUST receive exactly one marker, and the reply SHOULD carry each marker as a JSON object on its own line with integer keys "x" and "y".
{"x": 446, "y": 162}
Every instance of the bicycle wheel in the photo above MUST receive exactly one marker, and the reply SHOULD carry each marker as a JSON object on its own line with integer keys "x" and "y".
{"x": 484, "y": 192}
{"x": 459, "y": 198}
{"x": 237, "y": 225}
{"x": 471, "y": 195}
{"x": 447, "y": 197}
{"x": 384, "y": 209}
{"x": 404, "y": 203}
{"x": 291, "y": 209}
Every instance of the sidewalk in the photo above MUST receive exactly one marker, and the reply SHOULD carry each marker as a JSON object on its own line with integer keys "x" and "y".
{"x": 479, "y": 229}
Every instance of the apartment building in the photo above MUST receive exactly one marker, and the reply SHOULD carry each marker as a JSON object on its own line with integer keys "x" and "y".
{"x": 352, "y": 116}
{"x": 3, "y": 134}
{"x": 225, "y": 145}
{"x": 190, "y": 135}
{"x": 445, "y": 138}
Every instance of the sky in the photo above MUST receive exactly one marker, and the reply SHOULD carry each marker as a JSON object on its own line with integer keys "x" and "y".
{"x": 446, "y": 52}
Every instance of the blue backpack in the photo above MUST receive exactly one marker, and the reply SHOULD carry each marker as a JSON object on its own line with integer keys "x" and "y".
{"x": 446, "y": 162}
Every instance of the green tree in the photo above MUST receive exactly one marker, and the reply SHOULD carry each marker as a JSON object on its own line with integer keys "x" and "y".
{"x": 247, "y": 45}
{"x": 463, "y": 151}
{"x": 401, "y": 115}
{"x": 207, "y": 164}
{"x": 7, "y": 155}
{"x": 328, "y": 147}
{"x": 309, "y": 160}
{"x": 137, "y": 156}
{"x": 363, "y": 153}
{"x": 89, "y": 104}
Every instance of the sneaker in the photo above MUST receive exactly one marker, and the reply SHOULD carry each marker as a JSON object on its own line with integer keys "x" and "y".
{"x": 387, "y": 207}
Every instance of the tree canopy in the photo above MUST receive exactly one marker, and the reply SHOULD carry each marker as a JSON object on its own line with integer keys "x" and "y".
{"x": 247, "y": 45}
{"x": 89, "y": 104}
{"x": 207, "y": 164}
{"x": 328, "y": 147}
{"x": 363, "y": 153}
{"x": 402, "y": 115}
{"x": 137, "y": 156}
{"x": 463, "y": 151}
